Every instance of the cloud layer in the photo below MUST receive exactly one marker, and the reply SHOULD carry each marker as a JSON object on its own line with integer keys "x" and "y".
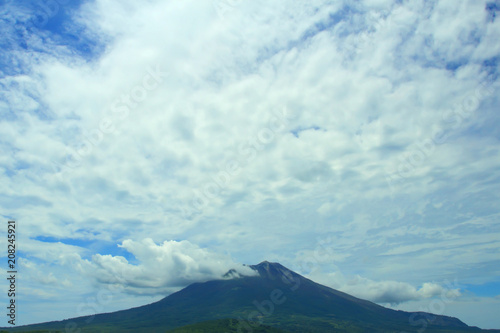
{"x": 202, "y": 135}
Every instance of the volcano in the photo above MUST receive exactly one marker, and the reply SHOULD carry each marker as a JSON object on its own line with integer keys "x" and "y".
{"x": 275, "y": 299}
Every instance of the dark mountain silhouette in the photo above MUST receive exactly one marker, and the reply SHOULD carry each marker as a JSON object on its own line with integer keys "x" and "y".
{"x": 276, "y": 297}
{"x": 222, "y": 326}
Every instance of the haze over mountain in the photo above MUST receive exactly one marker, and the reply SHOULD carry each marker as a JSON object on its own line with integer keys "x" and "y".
{"x": 276, "y": 296}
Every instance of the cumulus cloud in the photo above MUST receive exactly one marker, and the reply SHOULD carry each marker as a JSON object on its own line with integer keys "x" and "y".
{"x": 394, "y": 292}
{"x": 162, "y": 268}
{"x": 387, "y": 292}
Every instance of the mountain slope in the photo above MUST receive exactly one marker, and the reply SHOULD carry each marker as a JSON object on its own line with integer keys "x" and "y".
{"x": 221, "y": 325}
{"x": 276, "y": 296}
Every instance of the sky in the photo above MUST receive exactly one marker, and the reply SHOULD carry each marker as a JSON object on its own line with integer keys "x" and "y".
{"x": 148, "y": 145}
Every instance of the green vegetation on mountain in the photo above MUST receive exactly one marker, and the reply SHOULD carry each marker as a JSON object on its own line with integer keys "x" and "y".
{"x": 223, "y": 326}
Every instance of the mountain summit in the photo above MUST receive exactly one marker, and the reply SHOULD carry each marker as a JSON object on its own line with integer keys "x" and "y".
{"x": 276, "y": 296}
{"x": 272, "y": 271}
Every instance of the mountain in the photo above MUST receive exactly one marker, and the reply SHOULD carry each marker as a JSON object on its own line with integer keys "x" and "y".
{"x": 275, "y": 296}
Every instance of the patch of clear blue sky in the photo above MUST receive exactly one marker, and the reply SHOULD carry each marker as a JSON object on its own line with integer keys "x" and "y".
{"x": 484, "y": 290}
{"x": 296, "y": 132}
{"x": 95, "y": 246}
{"x": 52, "y": 21}
{"x": 68, "y": 241}
{"x": 493, "y": 7}
{"x": 490, "y": 66}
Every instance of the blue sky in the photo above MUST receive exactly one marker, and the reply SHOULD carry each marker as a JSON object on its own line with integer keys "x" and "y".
{"x": 149, "y": 145}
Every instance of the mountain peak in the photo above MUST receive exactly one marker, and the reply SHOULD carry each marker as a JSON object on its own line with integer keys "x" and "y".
{"x": 272, "y": 270}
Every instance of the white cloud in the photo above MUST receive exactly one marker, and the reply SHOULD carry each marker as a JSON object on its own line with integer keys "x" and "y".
{"x": 385, "y": 292}
{"x": 162, "y": 268}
